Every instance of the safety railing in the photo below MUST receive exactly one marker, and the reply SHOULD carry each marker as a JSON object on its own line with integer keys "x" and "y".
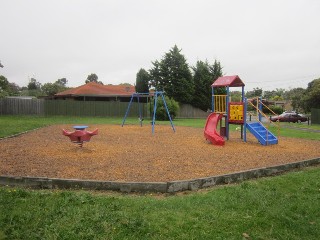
{"x": 261, "y": 113}
{"x": 220, "y": 103}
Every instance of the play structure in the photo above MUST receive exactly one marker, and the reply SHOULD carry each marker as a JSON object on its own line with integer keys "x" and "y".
{"x": 234, "y": 113}
{"x": 80, "y": 135}
{"x": 156, "y": 95}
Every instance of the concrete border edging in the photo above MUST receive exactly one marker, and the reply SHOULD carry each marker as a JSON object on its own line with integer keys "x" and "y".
{"x": 160, "y": 187}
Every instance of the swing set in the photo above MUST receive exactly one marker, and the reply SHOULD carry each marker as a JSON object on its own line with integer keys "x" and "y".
{"x": 156, "y": 95}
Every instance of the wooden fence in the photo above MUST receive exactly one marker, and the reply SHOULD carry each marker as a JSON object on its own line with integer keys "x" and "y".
{"x": 12, "y": 106}
{"x": 315, "y": 116}
{"x": 91, "y": 108}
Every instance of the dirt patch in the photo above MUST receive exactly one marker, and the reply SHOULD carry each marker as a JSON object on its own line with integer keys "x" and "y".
{"x": 132, "y": 153}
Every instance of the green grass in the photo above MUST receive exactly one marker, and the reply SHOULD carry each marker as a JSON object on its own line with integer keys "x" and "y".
{"x": 282, "y": 207}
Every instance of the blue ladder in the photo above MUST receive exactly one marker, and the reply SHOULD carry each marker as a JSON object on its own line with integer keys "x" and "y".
{"x": 264, "y": 136}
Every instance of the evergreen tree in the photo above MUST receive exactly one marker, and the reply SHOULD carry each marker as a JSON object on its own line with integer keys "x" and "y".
{"x": 202, "y": 84}
{"x": 204, "y": 76}
{"x": 142, "y": 80}
{"x": 172, "y": 74}
{"x": 216, "y": 71}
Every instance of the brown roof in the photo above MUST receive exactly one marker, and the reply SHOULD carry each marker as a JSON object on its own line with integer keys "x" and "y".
{"x": 230, "y": 81}
{"x": 96, "y": 89}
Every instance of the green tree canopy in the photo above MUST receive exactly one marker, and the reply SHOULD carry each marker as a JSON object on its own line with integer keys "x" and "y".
{"x": 172, "y": 74}
{"x": 142, "y": 81}
{"x": 256, "y": 92}
{"x": 204, "y": 75}
{"x": 93, "y": 78}
{"x": 51, "y": 89}
{"x": 62, "y": 82}
{"x": 311, "y": 98}
{"x": 34, "y": 84}
{"x": 4, "y": 86}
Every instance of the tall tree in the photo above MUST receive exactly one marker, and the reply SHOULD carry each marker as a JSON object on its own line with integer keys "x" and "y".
{"x": 62, "y": 82}
{"x": 202, "y": 78}
{"x": 142, "y": 81}
{"x": 216, "y": 71}
{"x": 34, "y": 84}
{"x": 174, "y": 76}
{"x": 311, "y": 98}
{"x": 92, "y": 78}
{"x": 204, "y": 75}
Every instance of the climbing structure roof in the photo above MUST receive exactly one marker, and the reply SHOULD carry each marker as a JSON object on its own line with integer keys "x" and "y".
{"x": 228, "y": 81}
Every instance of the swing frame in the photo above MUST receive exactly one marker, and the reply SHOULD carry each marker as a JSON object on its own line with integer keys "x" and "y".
{"x": 156, "y": 95}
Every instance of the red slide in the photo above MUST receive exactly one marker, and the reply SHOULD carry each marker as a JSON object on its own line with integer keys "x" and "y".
{"x": 210, "y": 130}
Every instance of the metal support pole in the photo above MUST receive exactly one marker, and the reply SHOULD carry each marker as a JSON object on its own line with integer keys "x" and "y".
{"x": 154, "y": 111}
{"x": 139, "y": 107}
{"x": 212, "y": 100}
{"x": 165, "y": 104}
{"x": 260, "y": 108}
{"x": 227, "y": 112}
{"x": 245, "y": 121}
{"x": 127, "y": 112}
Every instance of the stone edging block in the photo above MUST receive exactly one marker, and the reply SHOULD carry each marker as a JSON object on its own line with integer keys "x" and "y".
{"x": 161, "y": 187}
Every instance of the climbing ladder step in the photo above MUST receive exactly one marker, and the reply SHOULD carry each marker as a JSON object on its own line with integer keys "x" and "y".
{"x": 264, "y": 136}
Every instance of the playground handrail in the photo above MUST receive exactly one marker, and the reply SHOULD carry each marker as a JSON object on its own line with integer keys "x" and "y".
{"x": 220, "y": 103}
{"x": 263, "y": 114}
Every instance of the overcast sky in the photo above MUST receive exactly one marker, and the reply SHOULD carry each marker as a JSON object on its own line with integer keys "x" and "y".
{"x": 268, "y": 43}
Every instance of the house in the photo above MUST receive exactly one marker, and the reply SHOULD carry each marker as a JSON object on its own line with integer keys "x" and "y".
{"x": 97, "y": 92}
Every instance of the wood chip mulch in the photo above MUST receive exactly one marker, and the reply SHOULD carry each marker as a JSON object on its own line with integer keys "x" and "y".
{"x": 132, "y": 154}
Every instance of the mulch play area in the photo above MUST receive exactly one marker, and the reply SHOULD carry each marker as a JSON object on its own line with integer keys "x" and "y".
{"x": 131, "y": 153}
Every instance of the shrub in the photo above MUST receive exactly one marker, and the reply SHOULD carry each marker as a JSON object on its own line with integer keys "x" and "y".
{"x": 275, "y": 109}
{"x": 161, "y": 113}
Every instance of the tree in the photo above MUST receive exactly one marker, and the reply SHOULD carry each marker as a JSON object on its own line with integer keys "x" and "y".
{"x": 51, "y": 89}
{"x": 256, "y": 92}
{"x": 172, "y": 74}
{"x": 62, "y": 82}
{"x": 161, "y": 112}
{"x": 142, "y": 80}
{"x": 34, "y": 84}
{"x": 4, "y": 86}
{"x": 14, "y": 89}
{"x": 311, "y": 98}
{"x": 236, "y": 96}
{"x": 4, "y": 83}
{"x": 203, "y": 79}
{"x": 204, "y": 76}
{"x": 93, "y": 78}
{"x": 296, "y": 95}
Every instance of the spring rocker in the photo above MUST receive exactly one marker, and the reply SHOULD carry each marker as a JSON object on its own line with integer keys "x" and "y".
{"x": 80, "y": 135}
{"x": 233, "y": 113}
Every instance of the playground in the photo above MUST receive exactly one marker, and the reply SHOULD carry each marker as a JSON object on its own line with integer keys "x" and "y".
{"x": 133, "y": 154}
{"x": 152, "y": 152}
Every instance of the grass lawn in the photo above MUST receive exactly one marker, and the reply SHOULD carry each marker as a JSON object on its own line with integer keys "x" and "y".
{"x": 281, "y": 207}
